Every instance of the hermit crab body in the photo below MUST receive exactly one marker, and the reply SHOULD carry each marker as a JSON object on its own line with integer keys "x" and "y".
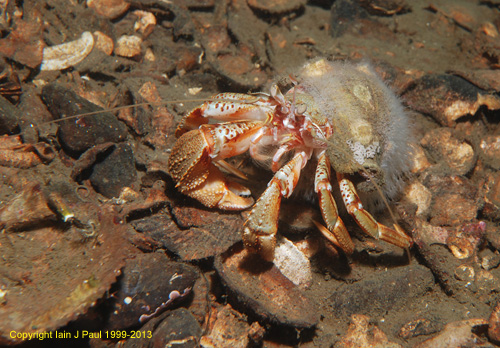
{"x": 338, "y": 116}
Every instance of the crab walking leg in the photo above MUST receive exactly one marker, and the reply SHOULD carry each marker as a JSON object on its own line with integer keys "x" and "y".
{"x": 336, "y": 232}
{"x": 228, "y": 107}
{"x": 190, "y": 163}
{"x": 365, "y": 220}
{"x": 259, "y": 232}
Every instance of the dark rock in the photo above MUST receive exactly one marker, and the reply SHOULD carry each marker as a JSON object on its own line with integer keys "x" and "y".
{"x": 382, "y": 291}
{"x": 150, "y": 284}
{"x": 9, "y": 116}
{"x": 262, "y": 288}
{"x": 77, "y": 134}
{"x": 115, "y": 171}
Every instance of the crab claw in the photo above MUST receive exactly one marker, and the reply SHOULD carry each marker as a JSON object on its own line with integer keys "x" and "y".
{"x": 190, "y": 164}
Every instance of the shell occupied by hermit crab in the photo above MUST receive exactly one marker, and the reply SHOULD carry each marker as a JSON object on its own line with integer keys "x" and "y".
{"x": 370, "y": 135}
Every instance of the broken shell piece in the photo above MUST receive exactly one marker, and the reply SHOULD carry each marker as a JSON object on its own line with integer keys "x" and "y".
{"x": 68, "y": 54}
{"x": 128, "y": 46}
{"x": 146, "y": 22}
{"x": 292, "y": 263}
{"x": 104, "y": 43}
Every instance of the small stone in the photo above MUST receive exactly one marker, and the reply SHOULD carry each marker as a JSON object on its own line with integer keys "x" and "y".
{"x": 452, "y": 209}
{"x": 441, "y": 144}
{"x": 115, "y": 172}
{"x": 277, "y": 7}
{"x": 128, "y": 46}
{"x": 109, "y": 8}
{"x": 78, "y": 134}
{"x": 104, "y": 43}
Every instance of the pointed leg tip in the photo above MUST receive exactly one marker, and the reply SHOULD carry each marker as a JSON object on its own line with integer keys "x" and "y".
{"x": 262, "y": 245}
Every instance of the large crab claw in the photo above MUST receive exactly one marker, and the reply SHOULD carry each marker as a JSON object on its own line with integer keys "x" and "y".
{"x": 190, "y": 163}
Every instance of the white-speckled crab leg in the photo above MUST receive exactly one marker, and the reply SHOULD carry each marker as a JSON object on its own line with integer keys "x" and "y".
{"x": 335, "y": 231}
{"x": 365, "y": 220}
{"x": 229, "y": 107}
{"x": 190, "y": 163}
{"x": 259, "y": 232}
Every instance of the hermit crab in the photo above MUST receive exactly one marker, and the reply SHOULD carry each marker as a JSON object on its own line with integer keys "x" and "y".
{"x": 337, "y": 115}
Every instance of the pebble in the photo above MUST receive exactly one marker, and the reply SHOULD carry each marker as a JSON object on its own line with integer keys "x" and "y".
{"x": 277, "y": 7}
{"x": 150, "y": 284}
{"x": 111, "y": 9}
{"x": 79, "y": 134}
{"x": 128, "y": 46}
{"x": 110, "y": 175}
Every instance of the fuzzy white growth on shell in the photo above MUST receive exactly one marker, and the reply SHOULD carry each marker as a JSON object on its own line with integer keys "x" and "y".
{"x": 371, "y": 130}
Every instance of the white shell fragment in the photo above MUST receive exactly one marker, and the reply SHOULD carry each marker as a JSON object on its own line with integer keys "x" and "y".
{"x": 68, "y": 54}
{"x": 292, "y": 263}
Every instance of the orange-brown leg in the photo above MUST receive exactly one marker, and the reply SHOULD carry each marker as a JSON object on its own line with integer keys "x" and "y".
{"x": 228, "y": 107}
{"x": 335, "y": 231}
{"x": 365, "y": 220}
{"x": 259, "y": 232}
